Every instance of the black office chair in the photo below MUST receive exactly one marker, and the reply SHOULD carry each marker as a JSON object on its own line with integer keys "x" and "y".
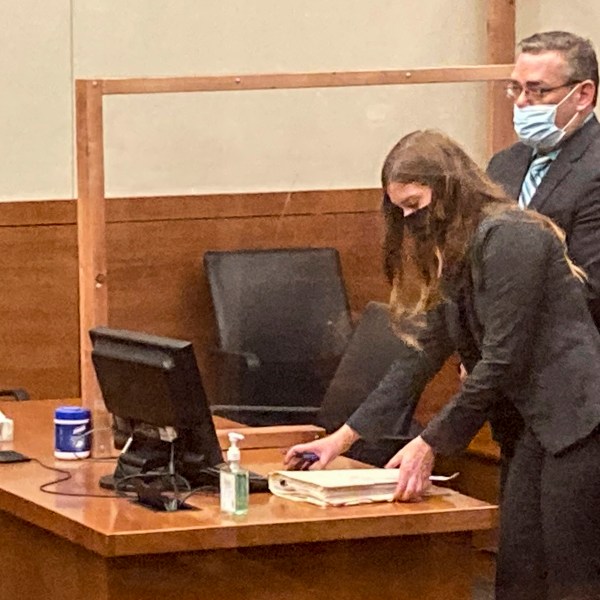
{"x": 283, "y": 322}
{"x": 15, "y": 393}
{"x": 369, "y": 355}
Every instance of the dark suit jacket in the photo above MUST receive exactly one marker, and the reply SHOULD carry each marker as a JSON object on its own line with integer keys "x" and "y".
{"x": 569, "y": 194}
{"x": 525, "y": 313}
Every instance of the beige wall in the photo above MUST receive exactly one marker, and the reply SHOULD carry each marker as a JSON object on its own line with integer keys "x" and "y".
{"x": 579, "y": 16}
{"x": 36, "y": 150}
{"x": 253, "y": 141}
{"x": 302, "y": 139}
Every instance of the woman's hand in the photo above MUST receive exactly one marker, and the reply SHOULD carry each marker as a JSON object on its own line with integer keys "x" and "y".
{"x": 326, "y": 449}
{"x": 415, "y": 464}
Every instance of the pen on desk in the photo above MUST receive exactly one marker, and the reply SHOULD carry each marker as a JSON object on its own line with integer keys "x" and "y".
{"x": 310, "y": 456}
{"x": 444, "y": 477}
{"x": 304, "y": 460}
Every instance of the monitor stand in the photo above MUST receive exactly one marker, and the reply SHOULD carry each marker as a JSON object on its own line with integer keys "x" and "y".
{"x": 145, "y": 473}
{"x": 139, "y": 462}
{"x": 148, "y": 463}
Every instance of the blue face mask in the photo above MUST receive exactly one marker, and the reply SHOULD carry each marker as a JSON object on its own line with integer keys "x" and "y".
{"x": 536, "y": 125}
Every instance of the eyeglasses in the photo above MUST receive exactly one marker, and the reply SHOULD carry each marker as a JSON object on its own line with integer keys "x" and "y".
{"x": 535, "y": 93}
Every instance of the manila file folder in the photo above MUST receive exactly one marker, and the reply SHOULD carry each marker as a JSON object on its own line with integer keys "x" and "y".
{"x": 340, "y": 487}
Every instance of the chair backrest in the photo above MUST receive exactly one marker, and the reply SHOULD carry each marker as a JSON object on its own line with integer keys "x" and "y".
{"x": 369, "y": 355}
{"x": 285, "y": 303}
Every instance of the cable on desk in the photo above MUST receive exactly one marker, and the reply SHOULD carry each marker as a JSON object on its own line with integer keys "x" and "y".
{"x": 65, "y": 476}
{"x": 119, "y": 491}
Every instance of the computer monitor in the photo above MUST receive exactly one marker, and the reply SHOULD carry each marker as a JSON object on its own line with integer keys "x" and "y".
{"x": 152, "y": 387}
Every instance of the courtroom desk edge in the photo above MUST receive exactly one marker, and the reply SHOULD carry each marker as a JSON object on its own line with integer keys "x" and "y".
{"x": 207, "y": 529}
{"x": 222, "y": 535}
{"x": 114, "y": 528}
{"x": 48, "y": 520}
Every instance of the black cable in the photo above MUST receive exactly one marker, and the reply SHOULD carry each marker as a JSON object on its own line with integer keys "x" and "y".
{"x": 173, "y": 474}
{"x": 119, "y": 492}
{"x": 211, "y": 490}
{"x": 66, "y": 475}
{"x": 122, "y": 481}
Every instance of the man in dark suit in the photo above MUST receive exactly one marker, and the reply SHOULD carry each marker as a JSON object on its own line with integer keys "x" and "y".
{"x": 554, "y": 88}
{"x": 554, "y": 168}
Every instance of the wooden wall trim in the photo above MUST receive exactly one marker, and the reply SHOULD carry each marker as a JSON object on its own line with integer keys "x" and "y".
{"x": 91, "y": 244}
{"x": 269, "y": 81}
{"x": 37, "y": 212}
{"x": 223, "y": 206}
{"x": 209, "y": 206}
{"x": 501, "y": 41}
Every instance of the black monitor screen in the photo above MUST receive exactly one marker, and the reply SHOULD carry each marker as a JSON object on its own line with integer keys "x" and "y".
{"x": 151, "y": 383}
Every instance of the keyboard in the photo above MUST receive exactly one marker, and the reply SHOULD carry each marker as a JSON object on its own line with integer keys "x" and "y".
{"x": 258, "y": 483}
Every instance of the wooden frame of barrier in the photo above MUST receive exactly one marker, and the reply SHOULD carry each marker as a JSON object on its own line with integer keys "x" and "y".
{"x": 91, "y": 221}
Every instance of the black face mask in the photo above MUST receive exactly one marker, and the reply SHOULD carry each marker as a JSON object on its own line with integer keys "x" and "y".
{"x": 417, "y": 222}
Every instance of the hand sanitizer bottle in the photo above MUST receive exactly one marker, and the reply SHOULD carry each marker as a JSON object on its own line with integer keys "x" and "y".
{"x": 234, "y": 481}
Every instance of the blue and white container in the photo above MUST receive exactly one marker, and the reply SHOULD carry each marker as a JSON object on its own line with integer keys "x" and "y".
{"x": 72, "y": 432}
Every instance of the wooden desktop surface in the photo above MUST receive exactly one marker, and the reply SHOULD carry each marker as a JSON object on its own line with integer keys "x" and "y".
{"x": 105, "y": 535}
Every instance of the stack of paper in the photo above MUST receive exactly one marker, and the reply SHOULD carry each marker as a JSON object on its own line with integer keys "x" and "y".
{"x": 341, "y": 487}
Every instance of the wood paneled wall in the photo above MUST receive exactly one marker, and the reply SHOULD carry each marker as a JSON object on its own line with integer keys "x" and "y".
{"x": 155, "y": 277}
{"x": 39, "y": 346}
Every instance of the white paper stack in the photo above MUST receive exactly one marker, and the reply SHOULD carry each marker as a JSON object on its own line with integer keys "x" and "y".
{"x": 342, "y": 487}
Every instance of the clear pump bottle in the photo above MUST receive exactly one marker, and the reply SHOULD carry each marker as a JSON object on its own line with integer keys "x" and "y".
{"x": 234, "y": 480}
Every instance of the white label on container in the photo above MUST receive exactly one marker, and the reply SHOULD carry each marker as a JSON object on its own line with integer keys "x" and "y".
{"x": 227, "y": 491}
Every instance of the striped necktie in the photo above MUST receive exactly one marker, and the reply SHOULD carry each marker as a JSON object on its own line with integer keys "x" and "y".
{"x": 537, "y": 169}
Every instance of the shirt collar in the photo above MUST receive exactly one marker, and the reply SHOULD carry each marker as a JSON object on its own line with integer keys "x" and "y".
{"x": 551, "y": 155}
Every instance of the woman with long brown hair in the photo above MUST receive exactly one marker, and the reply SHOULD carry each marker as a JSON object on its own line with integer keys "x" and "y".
{"x": 472, "y": 273}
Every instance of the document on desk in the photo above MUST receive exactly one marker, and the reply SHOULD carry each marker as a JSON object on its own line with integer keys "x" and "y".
{"x": 342, "y": 487}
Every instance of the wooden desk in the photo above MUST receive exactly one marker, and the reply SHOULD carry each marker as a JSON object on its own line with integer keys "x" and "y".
{"x": 64, "y": 547}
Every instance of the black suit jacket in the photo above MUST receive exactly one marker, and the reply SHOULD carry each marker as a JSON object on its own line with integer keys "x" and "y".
{"x": 569, "y": 194}
{"x": 537, "y": 349}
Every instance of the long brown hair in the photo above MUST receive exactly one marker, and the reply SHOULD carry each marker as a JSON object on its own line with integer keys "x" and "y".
{"x": 462, "y": 195}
